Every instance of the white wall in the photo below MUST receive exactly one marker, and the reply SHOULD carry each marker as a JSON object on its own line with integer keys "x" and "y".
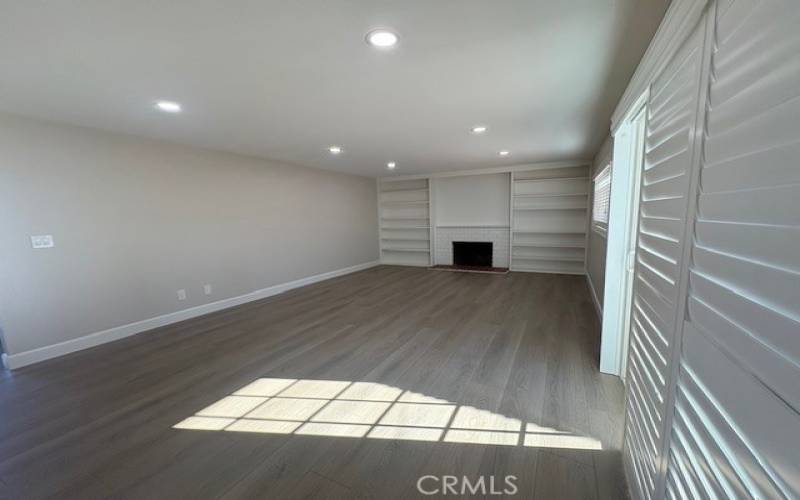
{"x": 473, "y": 200}
{"x": 135, "y": 220}
{"x": 597, "y": 243}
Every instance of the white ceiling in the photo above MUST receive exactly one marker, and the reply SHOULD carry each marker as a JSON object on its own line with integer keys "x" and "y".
{"x": 285, "y": 79}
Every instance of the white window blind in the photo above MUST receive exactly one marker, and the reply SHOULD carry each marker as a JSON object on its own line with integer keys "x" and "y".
{"x": 601, "y": 199}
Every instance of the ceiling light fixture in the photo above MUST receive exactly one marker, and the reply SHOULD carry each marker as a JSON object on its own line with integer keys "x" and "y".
{"x": 168, "y": 106}
{"x": 391, "y": 165}
{"x": 479, "y": 129}
{"x": 335, "y": 150}
{"x": 382, "y": 38}
{"x": 504, "y": 153}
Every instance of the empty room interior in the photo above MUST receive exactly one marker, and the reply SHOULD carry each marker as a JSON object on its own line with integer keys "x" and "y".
{"x": 400, "y": 249}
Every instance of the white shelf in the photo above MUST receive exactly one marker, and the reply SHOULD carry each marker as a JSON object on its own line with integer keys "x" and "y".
{"x": 385, "y": 236}
{"x": 519, "y": 231}
{"x": 549, "y": 195}
{"x": 534, "y": 209}
{"x": 553, "y": 179}
{"x": 405, "y": 218}
{"x": 552, "y": 173}
{"x": 404, "y": 203}
{"x": 411, "y": 190}
{"x": 548, "y": 266}
{"x": 548, "y": 245}
{"x": 401, "y": 249}
{"x": 474, "y": 226}
{"x": 548, "y": 258}
{"x": 400, "y": 238}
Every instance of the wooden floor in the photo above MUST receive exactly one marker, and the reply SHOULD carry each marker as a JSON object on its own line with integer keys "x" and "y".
{"x": 520, "y": 347}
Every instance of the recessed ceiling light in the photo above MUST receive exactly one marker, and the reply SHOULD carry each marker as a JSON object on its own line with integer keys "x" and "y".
{"x": 168, "y": 106}
{"x": 479, "y": 129}
{"x": 504, "y": 153}
{"x": 391, "y": 165}
{"x": 382, "y": 38}
{"x": 335, "y": 150}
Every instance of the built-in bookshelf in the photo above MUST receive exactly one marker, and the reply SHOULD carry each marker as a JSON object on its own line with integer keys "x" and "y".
{"x": 405, "y": 225}
{"x": 549, "y": 210}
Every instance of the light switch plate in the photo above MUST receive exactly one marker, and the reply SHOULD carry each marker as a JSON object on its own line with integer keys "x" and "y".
{"x": 43, "y": 241}
{"x": 207, "y": 289}
{"x": 182, "y": 294}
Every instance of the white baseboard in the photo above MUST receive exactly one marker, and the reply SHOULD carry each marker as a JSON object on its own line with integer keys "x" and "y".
{"x": 13, "y": 361}
{"x": 546, "y": 271}
{"x": 595, "y": 300}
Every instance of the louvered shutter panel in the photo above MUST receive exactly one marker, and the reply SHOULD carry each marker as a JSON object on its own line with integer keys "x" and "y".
{"x": 665, "y": 188}
{"x": 736, "y": 423}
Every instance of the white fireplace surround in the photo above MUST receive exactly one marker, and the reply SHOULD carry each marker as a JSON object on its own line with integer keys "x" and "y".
{"x": 499, "y": 236}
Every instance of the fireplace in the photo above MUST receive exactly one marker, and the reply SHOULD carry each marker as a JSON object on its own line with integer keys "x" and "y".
{"x": 472, "y": 253}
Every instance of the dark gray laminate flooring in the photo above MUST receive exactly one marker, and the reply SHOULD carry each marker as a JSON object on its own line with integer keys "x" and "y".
{"x": 353, "y": 387}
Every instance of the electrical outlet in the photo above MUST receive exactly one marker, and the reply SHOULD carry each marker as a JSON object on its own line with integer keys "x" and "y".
{"x": 181, "y": 294}
{"x": 43, "y": 241}
{"x": 207, "y": 289}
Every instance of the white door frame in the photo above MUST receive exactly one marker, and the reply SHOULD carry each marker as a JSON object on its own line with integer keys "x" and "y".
{"x": 622, "y": 223}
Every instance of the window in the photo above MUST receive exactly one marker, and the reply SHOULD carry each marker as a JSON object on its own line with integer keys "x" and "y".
{"x": 601, "y": 199}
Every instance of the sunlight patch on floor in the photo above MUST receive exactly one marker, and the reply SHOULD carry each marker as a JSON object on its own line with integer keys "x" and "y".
{"x": 263, "y": 426}
{"x": 336, "y": 408}
{"x": 205, "y": 423}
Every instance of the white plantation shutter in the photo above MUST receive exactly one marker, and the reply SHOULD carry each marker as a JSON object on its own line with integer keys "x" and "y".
{"x": 601, "y": 198}
{"x": 736, "y": 423}
{"x": 664, "y": 201}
